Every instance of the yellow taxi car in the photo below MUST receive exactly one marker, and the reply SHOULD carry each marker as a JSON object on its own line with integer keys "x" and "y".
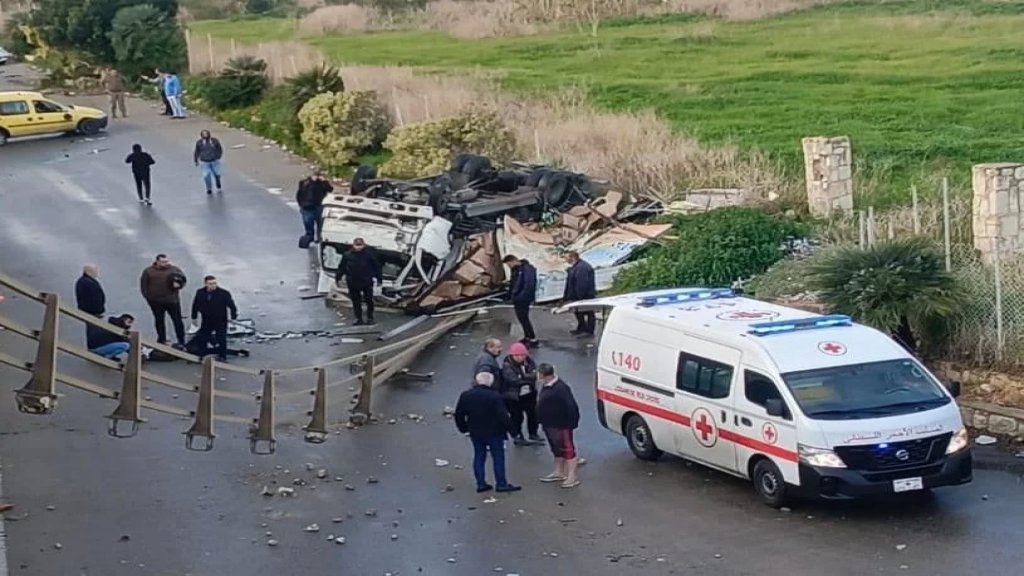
{"x": 32, "y": 114}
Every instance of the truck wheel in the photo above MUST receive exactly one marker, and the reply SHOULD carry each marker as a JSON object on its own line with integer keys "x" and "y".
{"x": 640, "y": 439}
{"x": 361, "y": 178}
{"x": 89, "y": 127}
{"x": 3, "y": 137}
{"x": 769, "y": 483}
{"x": 460, "y": 161}
{"x": 556, "y": 189}
{"x": 533, "y": 178}
{"x": 476, "y": 167}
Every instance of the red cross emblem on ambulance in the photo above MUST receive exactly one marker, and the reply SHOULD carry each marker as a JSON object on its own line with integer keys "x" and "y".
{"x": 832, "y": 348}
{"x": 702, "y": 423}
{"x": 769, "y": 433}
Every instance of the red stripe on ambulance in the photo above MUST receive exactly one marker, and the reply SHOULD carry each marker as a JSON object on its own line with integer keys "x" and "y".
{"x": 685, "y": 421}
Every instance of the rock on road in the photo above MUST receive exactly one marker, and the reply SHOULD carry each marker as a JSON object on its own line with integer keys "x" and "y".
{"x": 145, "y": 506}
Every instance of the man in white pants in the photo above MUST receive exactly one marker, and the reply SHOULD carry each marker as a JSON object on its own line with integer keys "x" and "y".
{"x": 172, "y": 89}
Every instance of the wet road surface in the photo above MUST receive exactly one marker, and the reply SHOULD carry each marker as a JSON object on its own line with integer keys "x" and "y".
{"x": 145, "y": 506}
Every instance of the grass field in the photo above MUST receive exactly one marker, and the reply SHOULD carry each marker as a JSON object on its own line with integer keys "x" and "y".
{"x": 921, "y": 87}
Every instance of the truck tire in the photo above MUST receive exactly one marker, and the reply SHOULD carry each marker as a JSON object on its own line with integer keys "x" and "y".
{"x": 476, "y": 167}
{"x": 640, "y": 439}
{"x": 3, "y": 137}
{"x": 460, "y": 161}
{"x": 533, "y": 179}
{"x": 361, "y": 178}
{"x": 439, "y": 194}
{"x": 555, "y": 188}
{"x": 769, "y": 483}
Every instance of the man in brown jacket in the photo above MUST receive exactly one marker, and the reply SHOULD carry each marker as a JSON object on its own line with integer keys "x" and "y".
{"x": 160, "y": 283}
{"x": 114, "y": 85}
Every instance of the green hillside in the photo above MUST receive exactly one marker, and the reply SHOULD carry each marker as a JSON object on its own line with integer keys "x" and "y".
{"x": 920, "y": 87}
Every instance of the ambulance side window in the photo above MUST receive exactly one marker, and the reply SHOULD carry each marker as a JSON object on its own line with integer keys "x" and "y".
{"x": 703, "y": 377}
{"x": 759, "y": 389}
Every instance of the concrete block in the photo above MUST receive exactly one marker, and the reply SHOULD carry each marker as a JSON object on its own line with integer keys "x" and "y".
{"x": 1002, "y": 424}
{"x": 980, "y": 420}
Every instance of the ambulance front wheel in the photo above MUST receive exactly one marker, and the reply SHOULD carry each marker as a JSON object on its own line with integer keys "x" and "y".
{"x": 640, "y": 439}
{"x": 769, "y": 483}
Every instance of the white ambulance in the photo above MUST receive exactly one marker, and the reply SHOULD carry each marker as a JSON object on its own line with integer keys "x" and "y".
{"x": 801, "y": 404}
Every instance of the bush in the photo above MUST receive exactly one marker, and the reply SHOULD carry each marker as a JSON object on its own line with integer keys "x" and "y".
{"x": 712, "y": 249}
{"x": 338, "y": 126}
{"x": 427, "y": 148}
{"x": 323, "y": 79}
{"x": 145, "y": 38}
{"x": 243, "y": 82}
{"x": 893, "y": 286}
{"x": 86, "y": 25}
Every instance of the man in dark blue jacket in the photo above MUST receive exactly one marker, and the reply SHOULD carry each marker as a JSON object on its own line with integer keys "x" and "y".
{"x": 360, "y": 268}
{"x": 89, "y": 293}
{"x": 523, "y": 291}
{"x": 481, "y": 413}
{"x": 580, "y": 285}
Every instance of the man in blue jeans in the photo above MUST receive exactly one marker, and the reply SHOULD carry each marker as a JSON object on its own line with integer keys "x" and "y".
{"x": 207, "y": 156}
{"x": 106, "y": 343}
{"x": 310, "y": 198}
{"x": 482, "y": 414}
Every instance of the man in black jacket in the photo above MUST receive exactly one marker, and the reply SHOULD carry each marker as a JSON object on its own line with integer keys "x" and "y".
{"x": 215, "y": 304}
{"x": 559, "y": 414}
{"x": 207, "y": 155}
{"x": 360, "y": 268}
{"x": 519, "y": 388}
{"x": 89, "y": 294}
{"x": 487, "y": 361}
{"x": 310, "y": 198}
{"x": 481, "y": 413}
{"x": 141, "y": 162}
{"x": 580, "y": 285}
{"x": 523, "y": 292}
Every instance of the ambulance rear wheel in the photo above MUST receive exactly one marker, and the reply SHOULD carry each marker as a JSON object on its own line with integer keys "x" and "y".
{"x": 769, "y": 483}
{"x": 640, "y": 439}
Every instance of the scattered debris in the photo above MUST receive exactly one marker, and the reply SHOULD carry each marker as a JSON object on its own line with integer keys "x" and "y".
{"x": 394, "y": 537}
{"x": 448, "y": 411}
{"x": 490, "y": 500}
{"x": 272, "y": 542}
{"x": 440, "y": 463}
{"x": 313, "y": 528}
{"x": 321, "y": 473}
{"x": 371, "y": 513}
{"x": 619, "y": 522}
{"x": 58, "y": 546}
{"x": 985, "y": 440}
{"x": 285, "y": 491}
{"x": 266, "y": 492}
{"x": 372, "y": 480}
{"x": 339, "y": 540}
{"x": 901, "y": 547}
{"x": 51, "y": 508}
{"x": 337, "y": 520}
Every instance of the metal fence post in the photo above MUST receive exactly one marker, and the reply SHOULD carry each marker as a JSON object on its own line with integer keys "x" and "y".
{"x": 316, "y": 430}
{"x": 862, "y": 229}
{"x": 871, "y": 226}
{"x": 128, "y": 408}
{"x": 38, "y": 397}
{"x": 917, "y": 214}
{"x": 1000, "y": 336}
{"x": 945, "y": 224}
{"x": 263, "y": 429}
{"x": 203, "y": 424}
{"x": 361, "y": 412}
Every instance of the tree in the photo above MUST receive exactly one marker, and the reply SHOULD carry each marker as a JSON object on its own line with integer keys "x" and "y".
{"x": 259, "y": 6}
{"x": 143, "y": 38}
{"x": 86, "y": 24}
{"x": 893, "y": 286}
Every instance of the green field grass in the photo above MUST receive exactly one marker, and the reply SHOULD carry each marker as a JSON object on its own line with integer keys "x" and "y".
{"x": 920, "y": 87}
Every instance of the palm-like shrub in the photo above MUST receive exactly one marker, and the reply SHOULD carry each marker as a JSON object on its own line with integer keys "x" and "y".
{"x": 323, "y": 79}
{"x": 243, "y": 82}
{"x": 893, "y": 286}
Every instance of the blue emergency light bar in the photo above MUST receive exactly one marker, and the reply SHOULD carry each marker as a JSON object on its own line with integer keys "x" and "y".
{"x": 816, "y": 322}
{"x": 691, "y": 295}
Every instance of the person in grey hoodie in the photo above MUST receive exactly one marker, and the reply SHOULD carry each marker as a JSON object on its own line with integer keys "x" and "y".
{"x": 207, "y": 155}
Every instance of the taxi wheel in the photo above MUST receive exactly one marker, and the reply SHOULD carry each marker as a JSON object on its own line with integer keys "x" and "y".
{"x": 89, "y": 127}
{"x": 769, "y": 483}
{"x": 640, "y": 439}
{"x": 3, "y": 137}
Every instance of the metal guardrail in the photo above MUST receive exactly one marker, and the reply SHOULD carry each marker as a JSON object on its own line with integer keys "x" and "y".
{"x": 39, "y": 395}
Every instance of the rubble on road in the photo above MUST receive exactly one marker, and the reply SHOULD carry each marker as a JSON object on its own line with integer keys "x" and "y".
{"x": 441, "y": 239}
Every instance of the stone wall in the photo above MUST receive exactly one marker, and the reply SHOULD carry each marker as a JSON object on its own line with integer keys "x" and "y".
{"x": 998, "y": 196}
{"x": 828, "y": 169}
{"x": 993, "y": 419}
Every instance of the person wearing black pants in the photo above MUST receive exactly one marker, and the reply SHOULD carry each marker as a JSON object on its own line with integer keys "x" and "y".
{"x": 580, "y": 285}
{"x": 141, "y": 161}
{"x": 160, "y": 284}
{"x": 519, "y": 388}
{"x": 215, "y": 304}
{"x": 360, "y": 268}
{"x": 523, "y": 291}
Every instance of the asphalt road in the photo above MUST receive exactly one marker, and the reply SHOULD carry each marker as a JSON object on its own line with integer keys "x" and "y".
{"x": 145, "y": 506}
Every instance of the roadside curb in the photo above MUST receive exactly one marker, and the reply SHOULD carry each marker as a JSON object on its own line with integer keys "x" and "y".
{"x": 3, "y": 530}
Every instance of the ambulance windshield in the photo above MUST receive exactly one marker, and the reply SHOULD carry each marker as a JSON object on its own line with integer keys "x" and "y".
{"x": 859, "y": 391}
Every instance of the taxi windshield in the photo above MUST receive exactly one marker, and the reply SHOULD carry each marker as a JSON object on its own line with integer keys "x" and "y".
{"x": 872, "y": 390}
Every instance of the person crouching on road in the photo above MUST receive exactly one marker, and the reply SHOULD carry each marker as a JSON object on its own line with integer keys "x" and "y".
{"x": 481, "y": 413}
{"x": 310, "y": 198}
{"x": 141, "y": 163}
{"x": 207, "y": 156}
{"x": 523, "y": 292}
{"x": 580, "y": 285}
{"x": 161, "y": 284}
{"x": 106, "y": 343}
{"x": 360, "y": 268}
{"x": 216, "y": 305}
{"x": 519, "y": 388}
{"x": 559, "y": 415}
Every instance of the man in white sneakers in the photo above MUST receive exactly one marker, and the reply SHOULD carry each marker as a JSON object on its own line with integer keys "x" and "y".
{"x": 559, "y": 415}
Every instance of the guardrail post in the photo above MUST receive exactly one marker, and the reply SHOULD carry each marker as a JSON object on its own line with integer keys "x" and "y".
{"x": 263, "y": 428}
{"x": 128, "y": 408}
{"x": 316, "y": 430}
{"x": 361, "y": 411}
{"x": 203, "y": 424}
{"x": 38, "y": 397}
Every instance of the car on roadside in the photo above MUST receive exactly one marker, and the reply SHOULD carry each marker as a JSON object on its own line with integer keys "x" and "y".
{"x": 33, "y": 114}
{"x": 5, "y": 56}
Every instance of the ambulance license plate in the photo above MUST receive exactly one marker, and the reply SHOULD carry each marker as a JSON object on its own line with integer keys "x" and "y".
{"x": 907, "y": 484}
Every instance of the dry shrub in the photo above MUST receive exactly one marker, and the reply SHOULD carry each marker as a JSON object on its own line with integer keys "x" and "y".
{"x": 637, "y": 153}
{"x": 479, "y": 18}
{"x": 734, "y": 9}
{"x": 284, "y": 59}
{"x": 341, "y": 18}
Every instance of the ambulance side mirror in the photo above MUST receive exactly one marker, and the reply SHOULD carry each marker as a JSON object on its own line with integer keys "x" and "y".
{"x": 775, "y": 407}
{"x": 954, "y": 389}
